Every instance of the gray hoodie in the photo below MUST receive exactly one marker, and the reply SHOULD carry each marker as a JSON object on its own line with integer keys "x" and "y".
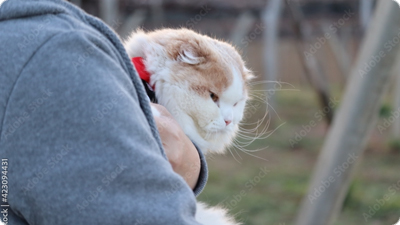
{"x": 77, "y": 133}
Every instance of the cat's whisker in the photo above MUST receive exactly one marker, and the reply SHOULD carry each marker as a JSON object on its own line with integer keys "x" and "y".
{"x": 250, "y": 140}
{"x": 234, "y": 144}
{"x": 230, "y": 151}
{"x": 245, "y": 135}
{"x": 246, "y": 143}
{"x": 269, "y": 133}
{"x": 255, "y": 131}
{"x": 254, "y": 95}
{"x": 246, "y": 152}
{"x": 253, "y": 150}
{"x": 258, "y": 123}
{"x": 263, "y": 90}
{"x": 264, "y": 134}
{"x": 276, "y": 113}
{"x": 237, "y": 153}
{"x": 280, "y": 83}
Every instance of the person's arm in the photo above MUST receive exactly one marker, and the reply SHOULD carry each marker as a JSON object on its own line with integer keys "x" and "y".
{"x": 181, "y": 152}
{"x": 83, "y": 151}
{"x": 186, "y": 159}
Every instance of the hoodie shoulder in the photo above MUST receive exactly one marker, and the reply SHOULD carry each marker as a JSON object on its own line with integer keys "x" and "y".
{"x": 26, "y": 26}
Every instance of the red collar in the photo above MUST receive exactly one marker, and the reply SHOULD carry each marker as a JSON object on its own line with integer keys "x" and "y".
{"x": 141, "y": 69}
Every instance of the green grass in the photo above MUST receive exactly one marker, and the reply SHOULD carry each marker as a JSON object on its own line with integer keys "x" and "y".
{"x": 275, "y": 198}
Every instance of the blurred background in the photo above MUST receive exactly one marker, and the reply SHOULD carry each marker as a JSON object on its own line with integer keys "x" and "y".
{"x": 302, "y": 52}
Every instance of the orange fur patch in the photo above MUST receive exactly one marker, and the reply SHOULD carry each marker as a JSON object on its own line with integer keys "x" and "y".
{"x": 214, "y": 72}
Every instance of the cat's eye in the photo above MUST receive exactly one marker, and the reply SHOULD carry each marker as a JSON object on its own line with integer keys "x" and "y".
{"x": 214, "y": 97}
{"x": 235, "y": 104}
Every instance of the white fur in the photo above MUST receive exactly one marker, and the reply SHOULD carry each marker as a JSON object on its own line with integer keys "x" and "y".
{"x": 202, "y": 119}
{"x": 155, "y": 112}
{"x": 214, "y": 215}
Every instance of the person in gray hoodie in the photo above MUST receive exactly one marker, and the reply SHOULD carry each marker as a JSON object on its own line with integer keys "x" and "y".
{"x": 78, "y": 142}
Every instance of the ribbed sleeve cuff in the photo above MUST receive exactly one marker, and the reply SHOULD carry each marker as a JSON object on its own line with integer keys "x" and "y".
{"x": 201, "y": 182}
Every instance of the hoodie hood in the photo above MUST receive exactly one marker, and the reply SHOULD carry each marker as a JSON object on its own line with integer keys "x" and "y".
{"x": 14, "y": 9}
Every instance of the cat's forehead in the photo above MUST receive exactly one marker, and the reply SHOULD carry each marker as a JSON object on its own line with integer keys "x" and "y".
{"x": 229, "y": 64}
{"x": 235, "y": 91}
{"x": 220, "y": 65}
{"x": 214, "y": 75}
{"x": 222, "y": 73}
{"x": 220, "y": 78}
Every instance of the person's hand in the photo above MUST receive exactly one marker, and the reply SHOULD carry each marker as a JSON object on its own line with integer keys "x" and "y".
{"x": 181, "y": 152}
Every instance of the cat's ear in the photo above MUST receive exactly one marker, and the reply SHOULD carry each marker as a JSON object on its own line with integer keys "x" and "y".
{"x": 190, "y": 55}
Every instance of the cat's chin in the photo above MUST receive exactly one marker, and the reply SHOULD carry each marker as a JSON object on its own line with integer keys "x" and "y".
{"x": 216, "y": 142}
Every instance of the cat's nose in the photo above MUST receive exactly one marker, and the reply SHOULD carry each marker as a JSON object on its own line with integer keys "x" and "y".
{"x": 227, "y": 122}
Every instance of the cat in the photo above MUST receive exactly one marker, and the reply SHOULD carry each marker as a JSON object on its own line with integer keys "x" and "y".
{"x": 203, "y": 82}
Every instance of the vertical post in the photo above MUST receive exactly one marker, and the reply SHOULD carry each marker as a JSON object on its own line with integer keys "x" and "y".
{"x": 134, "y": 21}
{"x": 77, "y": 2}
{"x": 109, "y": 11}
{"x": 310, "y": 62}
{"x": 270, "y": 17}
{"x": 157, "y": 12}
{"x": 355, "y": 119}
{"x": 365, "y": 13}
{"x": 342, "y": 57}
{"x": 242, "y": 28}
{"x": 396, "y": 103}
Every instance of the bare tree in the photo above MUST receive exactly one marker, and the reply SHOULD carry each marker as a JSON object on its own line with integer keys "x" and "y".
{"x": 311, "y": 64}
{"x": 270, "y": 17}
{"x": 77, "y": 2}
{"x": 109, "y": 11}
{"x": 242, "y": 28}
{"x": 355, "y": 119}
{"x": 396, "y": 103}
{"x": 157, "y": 12}
{"x": 134, "y": 21}
{"x": 342, "y": 57}
{"x": 366, "y": 7}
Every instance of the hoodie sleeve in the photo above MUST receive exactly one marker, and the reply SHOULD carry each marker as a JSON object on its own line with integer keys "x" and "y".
{"x": 79, "y": 147}
{"x": 201, "y": 183}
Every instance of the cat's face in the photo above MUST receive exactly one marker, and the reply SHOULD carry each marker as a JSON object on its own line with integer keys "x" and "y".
{"x": 201, "y": 81}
